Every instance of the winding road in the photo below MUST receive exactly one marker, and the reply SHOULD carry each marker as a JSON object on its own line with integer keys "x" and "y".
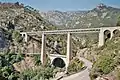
{"x": 83, "y": 75}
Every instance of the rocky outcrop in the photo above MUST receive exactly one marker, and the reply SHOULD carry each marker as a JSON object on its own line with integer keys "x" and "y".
{"x": 27, "y": 63}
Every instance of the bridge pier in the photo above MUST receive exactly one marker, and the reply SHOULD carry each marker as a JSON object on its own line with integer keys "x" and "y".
{"x": 43, "y": 54}
{"x": 26, "y": 37}
{"x": 101, "y": 38}
{"x": 69, "y": 50}
{"x": 111, "y": 36}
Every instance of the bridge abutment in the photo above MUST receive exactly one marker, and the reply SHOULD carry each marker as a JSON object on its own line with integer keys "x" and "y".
{"x": 25, "y": 36}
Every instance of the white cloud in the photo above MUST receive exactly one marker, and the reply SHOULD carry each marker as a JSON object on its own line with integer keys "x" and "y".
{"x": 115, "y": 6}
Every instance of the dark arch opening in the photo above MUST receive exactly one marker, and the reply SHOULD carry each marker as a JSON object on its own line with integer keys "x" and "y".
{"x": 116, "y": 33}
{"x": 107, "y": 35}
{"x": 58, "y": 62}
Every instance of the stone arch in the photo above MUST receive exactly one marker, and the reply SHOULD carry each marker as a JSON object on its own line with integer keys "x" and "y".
{"x": 59, "y": 62}
{"x": 107, "y": 35}
{"x": 23, "y": 35}
{"x": 116, "y": 33}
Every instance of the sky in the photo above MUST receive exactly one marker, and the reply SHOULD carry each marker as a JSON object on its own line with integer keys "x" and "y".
{"x": 65, "y": 5}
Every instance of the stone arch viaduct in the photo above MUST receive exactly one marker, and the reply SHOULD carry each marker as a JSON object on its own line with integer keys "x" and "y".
{"x": 102, "y": 31}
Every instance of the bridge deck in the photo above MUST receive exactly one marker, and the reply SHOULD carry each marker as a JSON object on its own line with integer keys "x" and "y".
{"x": 87, "y": 30}
{"x": 90, "y": 30}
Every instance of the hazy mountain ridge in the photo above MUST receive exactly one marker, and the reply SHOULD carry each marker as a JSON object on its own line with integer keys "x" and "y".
{"x": 102, "y": 15}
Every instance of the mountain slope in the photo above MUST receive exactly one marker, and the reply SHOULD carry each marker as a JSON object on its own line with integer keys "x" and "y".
{"x": 21, "y": 17}
{"x": 102, "y": 15}
{"x": 15, "y": 17}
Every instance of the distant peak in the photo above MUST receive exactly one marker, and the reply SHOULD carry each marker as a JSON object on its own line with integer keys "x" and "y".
{"x": 101, "y": 6}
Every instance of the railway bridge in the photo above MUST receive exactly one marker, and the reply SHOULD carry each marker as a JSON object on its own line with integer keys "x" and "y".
{"x": 108, "y": 31}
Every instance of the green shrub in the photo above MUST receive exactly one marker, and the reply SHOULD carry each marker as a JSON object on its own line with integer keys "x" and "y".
{"x": 37, "y": 59}
{"x": 16, "y": 36}
{"x": 104, "y": 65}
{"x": 7, "y": 71}
{"x": 109, "y": 58}
{"x": 42, "y": 73}
{"x": 75, "y": 65}
{"x": 118, "y": 22}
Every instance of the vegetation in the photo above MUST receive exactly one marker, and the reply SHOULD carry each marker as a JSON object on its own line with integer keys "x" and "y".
{"x": 7, "y": 71}
{"x": 37, "y": 60}
{"x": 16, "y": 36}
{"x": 118, "y": 22}
{"x": 32, "y": 20}
{"x": 109, "y": 58}
{"x": 41, "y": 73}
{"x": 75, "y": 66}
{"x": 6, "y": 68}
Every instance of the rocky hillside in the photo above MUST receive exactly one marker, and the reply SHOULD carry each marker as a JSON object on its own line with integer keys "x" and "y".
{"x": 102, "y": 15}
{"x": 21, "y": 17}
{"x": 15, "y": 18}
